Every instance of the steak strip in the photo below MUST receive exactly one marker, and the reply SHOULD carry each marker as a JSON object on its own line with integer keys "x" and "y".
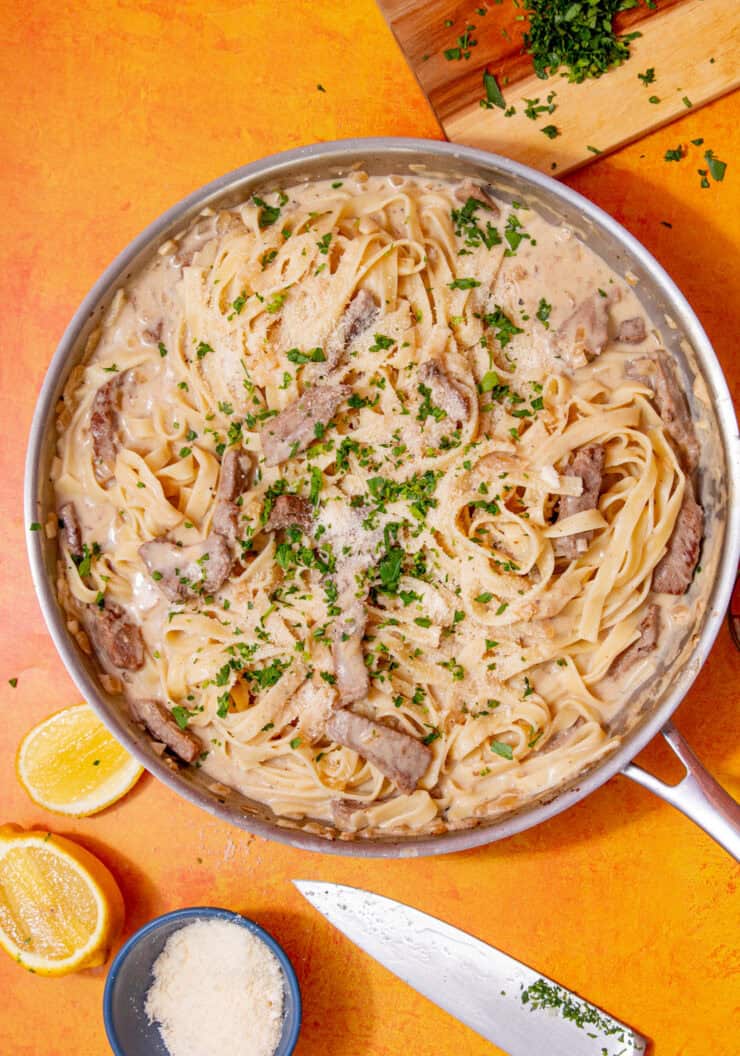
{"x": 353, "y": 679}
{"x": 71, "y": 530}
{"x": 185, "y": 572}
{"x": 632, "y": 331}
{"x": 104, "y": 427}
{"x": 293, "y": 429}
{"x": 642, "y": 646}
{"x": 469, "y": 189}
{"x": 236, "y": 466}
{"x": 585, "y": 332}
{"x": 163, "y": 727}
{"x": 660, "y": 376}
{"x": 674, "y": 571}
{"x": 588, "y": 464}
{"x": 446, "y": 392}
{"x": 115, "y": 635}
{"x": 401, "y": 758}
{"x": 290, "y": 511}
{"x": 359, "y": 314}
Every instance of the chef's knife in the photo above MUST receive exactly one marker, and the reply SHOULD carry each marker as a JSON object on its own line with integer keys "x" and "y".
{"x": 521, "y": 1011}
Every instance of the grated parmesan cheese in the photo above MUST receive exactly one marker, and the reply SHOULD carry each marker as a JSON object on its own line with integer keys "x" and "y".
{"x": 217, "y": 991}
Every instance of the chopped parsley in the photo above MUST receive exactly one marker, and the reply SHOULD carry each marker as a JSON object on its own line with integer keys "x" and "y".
{"x": 269, "y": 675}
{"x": 317, "y": 481}
{"x": 648, "y": 76}
{"x": 181, "y": 716}
{"x": 382, "y": 343}
{"x": 389, "y": 569}
{"x": 427, "y": 409}
{"x": 514, "y": 234}
{"x": 547, "y": 995}
{"x": 534, "y": 108}
{"x": 276, "y": 303}
{"x": 551, "y": 131}
{"x": 494, "y": 96}
{"x": 268, "y": 214}
{"x": 674, "y": 155}
{"x": 314, "y": 355}
{"x": 577, "y": 36}
{"x": 502, "y": 749}
{"x": 716, "y": 167}
{"x": 543, "y": 310}
{"x": 504, "y": 328}
{"x": 463, "y": 284}
{"x": 468, "y": 228}
{"x": 462, "y": 48}
{"x": 203, "y": 349}
{"x": 84, "y": 563}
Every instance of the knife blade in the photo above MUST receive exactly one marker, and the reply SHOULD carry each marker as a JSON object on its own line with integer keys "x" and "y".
{"x": 509, "y": 1004}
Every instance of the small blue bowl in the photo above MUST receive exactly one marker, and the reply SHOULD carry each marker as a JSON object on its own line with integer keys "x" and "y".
{"x": 130, "y": 1033}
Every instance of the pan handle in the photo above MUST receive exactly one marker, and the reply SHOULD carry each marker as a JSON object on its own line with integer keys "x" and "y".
{"x": 698, "y": 795}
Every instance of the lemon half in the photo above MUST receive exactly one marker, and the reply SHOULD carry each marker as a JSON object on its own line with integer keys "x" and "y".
{"x": 71, "y": 764}
{"x": 60, "y": 908}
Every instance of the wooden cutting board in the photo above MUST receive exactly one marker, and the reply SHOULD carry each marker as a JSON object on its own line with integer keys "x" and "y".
{"x": 693, "y": 45}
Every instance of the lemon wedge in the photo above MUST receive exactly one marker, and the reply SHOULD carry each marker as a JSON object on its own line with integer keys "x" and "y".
{"x": 70, "y": 764}
{"x": 60, "y": 908}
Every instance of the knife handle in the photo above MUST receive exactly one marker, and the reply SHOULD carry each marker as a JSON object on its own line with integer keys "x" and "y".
{"x": 698, "y": 795}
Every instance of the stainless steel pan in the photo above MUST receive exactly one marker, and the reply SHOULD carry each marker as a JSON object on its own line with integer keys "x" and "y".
{"x": 698, "y": 795}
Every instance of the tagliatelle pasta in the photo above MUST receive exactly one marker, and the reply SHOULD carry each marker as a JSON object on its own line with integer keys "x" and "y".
{"x": 370, "y": 480}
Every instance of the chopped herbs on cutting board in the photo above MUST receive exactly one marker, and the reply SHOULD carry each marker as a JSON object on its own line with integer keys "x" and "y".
{"x": 586, "y": 73}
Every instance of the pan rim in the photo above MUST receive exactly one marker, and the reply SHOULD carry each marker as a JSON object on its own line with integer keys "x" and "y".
{"x": 338, "y": 152}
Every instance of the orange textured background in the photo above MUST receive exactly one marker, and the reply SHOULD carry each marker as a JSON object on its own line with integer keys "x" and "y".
{"x": 110, "y": 111}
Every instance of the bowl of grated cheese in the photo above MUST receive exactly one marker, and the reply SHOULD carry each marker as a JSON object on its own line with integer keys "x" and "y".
{"x": 202, "y": 981}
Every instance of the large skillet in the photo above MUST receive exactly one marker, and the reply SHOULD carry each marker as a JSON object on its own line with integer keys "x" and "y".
{"x": 698, "y": 795}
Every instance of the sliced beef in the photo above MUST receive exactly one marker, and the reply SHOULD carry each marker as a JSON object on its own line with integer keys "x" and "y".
{"x": 290, "y": 511}
{"x": 342, "y": 811}
{"x": 153, "y": 334}
{"x": 359, "y": 314}
{"x": 632, "y": 331}
{"x": 674, "y": 571}
{"x": 660, "y": 376}
{"x": 588, "y": 464}
{"x": 402, "y": 758}
{"x": 563, "y": 737}
{"x": 355, "y": 547}
{"x": 353, "y": 680}
{"x": 468, "y": 189}
{"x": 236, "y": 466}
{"x": 71, "y": 530}
{"x": 446, "y": 392}
{"x": 584, "y": 334}
{"x": 104, "y": 426}
{"x": 185, "y": 572}
{"x": 649, "y": 633}
{"x": 294, "y": 428}
{"x": 162, "y": 726}
{"x": 115, "y": 635}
